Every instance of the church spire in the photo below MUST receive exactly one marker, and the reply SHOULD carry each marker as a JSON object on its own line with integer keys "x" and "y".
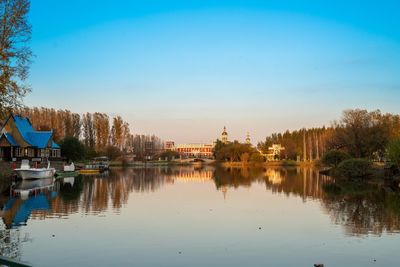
{"x": 224, "y": 136}
{"x": 248, "y": 140}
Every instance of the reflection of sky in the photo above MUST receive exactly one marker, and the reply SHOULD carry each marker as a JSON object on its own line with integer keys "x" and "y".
{"x": 152, "y": 227}
{"x": 185, "y": 69}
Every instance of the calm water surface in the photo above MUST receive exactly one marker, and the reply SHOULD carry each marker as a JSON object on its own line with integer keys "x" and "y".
{"x": 199, "y": 217}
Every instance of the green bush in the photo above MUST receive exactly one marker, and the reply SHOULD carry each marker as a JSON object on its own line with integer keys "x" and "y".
{"x": 334, "y": 157}
{"x": 72, "y": 148}
{"x": 393, "y": 152}
{"x": 354, "y": 168}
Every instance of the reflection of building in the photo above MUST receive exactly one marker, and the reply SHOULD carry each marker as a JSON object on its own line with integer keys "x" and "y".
{"x": 274, "y": 152}
{"x": 274, "y": 176}
{"x": 195, "y": 150}
{"x": 193, "y": 175}
{"x": 18, "y": 139}
{"x": 224, "y": 136}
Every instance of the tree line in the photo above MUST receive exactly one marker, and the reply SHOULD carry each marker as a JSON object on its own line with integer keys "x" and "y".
{"x": 99, "y": 133}
{"x": 360, "y": 133}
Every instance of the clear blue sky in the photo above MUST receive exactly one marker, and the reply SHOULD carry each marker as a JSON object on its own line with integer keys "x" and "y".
{"x": 184, "y": 69}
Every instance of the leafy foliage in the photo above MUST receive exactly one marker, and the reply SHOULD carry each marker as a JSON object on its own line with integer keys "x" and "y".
{"x": 232, "y": 151}
{"x": 15, "y": 54}
{"x": 362, "y": 133}
{"x": 72, "y": 149}
{"x": 354, "y": 168}
{"x": 334, "y": 157}
{"x": 393, "y": 152}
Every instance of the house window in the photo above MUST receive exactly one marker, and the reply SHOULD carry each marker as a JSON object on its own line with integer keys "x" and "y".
{"x": 1, "y": 152}
{"x": 18, "y": 152}
{"x": 55, "y": 153}
{"x": 31, "y": 152}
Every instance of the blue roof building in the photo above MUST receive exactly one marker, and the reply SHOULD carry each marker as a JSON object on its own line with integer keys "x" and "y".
{"x": 18, "y": 139}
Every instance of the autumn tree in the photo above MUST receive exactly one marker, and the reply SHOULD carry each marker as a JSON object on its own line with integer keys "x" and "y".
{"x": 101, "y": 123}
{"x": 361, "y": 133}
{"x": 88, "y": 130}
{"x": 117, "y": 132}
{"x": 15, "y": 54}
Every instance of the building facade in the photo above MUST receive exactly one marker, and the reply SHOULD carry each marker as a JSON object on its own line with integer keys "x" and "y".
{"x": 19, "y": 140}
{"x": 195, "y": 150}
{"x": 274, "y": 152}
{"x": 169, "y": 145}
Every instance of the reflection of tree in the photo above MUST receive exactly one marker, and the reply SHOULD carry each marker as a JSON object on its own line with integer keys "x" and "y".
{"x": 94, "y": 194}
{"x": 69, "y": 197}
{"x": 363, "y": 208}
{"x": 304, "y": 182}
{"x": 235, "y": 177}
{"x": 149, "y": 179}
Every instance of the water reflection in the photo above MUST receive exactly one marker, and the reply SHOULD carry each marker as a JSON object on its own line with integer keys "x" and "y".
{"x": 370, "y": 210}
{"x": 303, "y": 182}
{"x": 363, "y": 208}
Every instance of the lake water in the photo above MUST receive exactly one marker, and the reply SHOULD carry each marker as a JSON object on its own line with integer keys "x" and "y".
{"x": 188, "y": 216}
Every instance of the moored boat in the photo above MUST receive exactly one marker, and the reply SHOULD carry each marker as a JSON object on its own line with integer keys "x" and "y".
{"x": 69, "y": 168}
{"x": 62, "y": 174}
{"x": 99, "y": 163}
{"x": 89, "y": 171}
{"x": 26, "y": 172}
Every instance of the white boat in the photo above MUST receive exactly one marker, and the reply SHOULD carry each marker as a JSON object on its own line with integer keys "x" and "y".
{"x": 26, "y": 172}
{"x": 69, "y": 168}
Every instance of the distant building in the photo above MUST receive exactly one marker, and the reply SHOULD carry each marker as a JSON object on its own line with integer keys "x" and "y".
{"x": 274, "y": 152}
{"x": 195, "y": 150}
{"x": 19, "y": 140}
{"x": 224, "y": 136}
{"x": 169, "y": 145}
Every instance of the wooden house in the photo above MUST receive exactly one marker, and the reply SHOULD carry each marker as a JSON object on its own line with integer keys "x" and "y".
{"x": 19, "y": 140}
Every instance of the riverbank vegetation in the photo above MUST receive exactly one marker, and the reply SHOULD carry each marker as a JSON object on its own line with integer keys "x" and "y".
{"x": 348, "y": 145}
{"x": 360, "y": 133}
